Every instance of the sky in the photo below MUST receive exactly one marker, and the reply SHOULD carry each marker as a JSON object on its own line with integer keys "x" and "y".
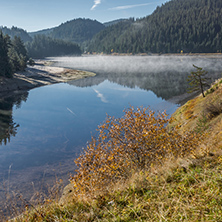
{"x": 34, "y": 15}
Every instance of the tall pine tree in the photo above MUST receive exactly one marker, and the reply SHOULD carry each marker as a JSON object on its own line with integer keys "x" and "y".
{"x": 5, "y": 67}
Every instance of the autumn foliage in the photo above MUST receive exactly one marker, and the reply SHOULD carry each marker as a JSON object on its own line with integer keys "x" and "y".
{"x": 124, "y": 145}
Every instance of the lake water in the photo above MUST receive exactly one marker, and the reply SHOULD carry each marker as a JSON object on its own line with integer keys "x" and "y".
{"x": 43, "y": 130}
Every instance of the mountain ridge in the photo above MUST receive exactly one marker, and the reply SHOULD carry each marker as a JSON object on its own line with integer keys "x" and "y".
{"x": 177, "y": 26}
{"x": 15, "y": 31}
{"x": 191, "y": 26}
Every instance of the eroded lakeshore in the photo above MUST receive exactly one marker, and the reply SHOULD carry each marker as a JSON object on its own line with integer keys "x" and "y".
{"x": 41, "y": 74}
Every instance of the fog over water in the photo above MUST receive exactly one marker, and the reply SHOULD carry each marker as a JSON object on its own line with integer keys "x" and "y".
{"x": 166, "y": 76}
{"x": 142, "y": 64}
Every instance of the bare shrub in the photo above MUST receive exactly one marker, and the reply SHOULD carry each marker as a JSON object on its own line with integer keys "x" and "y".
{"x": 124, "y": 145}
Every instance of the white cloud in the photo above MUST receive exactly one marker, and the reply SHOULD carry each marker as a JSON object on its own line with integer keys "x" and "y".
{"x": 96, "y": 3}
{"x": 128, "y": 6}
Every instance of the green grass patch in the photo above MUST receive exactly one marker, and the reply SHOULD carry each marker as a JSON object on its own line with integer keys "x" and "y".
{"x": 191, "y": 193}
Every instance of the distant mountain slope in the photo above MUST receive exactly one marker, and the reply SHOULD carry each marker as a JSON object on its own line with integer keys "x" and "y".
{"x": 41, "y": 32}
{"x": 107, "y": 24}
{"x": 44, "y": 46}
{"x": 188, "y": 25}
{"x": 14, "y": 31}
{"x": 77, "y": 30}
{"x": 107, "y": 37}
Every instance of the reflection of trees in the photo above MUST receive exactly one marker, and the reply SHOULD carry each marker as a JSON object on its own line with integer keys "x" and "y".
{"x": 7, "y": 126}
{"x": 164, "y": 84}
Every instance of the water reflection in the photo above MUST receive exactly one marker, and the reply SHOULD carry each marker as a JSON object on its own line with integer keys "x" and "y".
{"x": 165, "y": 85}
{"x": 8, "y": 127}
{"x": 57, "y": 120}
{"x": 166, "y": 76}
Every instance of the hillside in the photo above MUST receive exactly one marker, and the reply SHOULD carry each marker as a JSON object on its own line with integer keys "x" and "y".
{"x": 185, "y": 187}
{"x": 203, "y": 115}
{"x": 41, "y": 32}
{"x": 77, "y": 30}
{"x": 44, "y": 46}
{"x": 14, "y": 31}
{"x": 177, "y": 26}
{"x": 190, "y": 26}
{"x": 107, "y": 24}
{"x": 105, "y": 40}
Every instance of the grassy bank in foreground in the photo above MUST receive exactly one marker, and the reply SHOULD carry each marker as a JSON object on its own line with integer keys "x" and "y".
{"x": 185, "y": 186}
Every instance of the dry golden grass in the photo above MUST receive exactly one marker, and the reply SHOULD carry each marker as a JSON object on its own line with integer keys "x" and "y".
{"x": 203, "y": 115}
{"x": 186, "y": 190}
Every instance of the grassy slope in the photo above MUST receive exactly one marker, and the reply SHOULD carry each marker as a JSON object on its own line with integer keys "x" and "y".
{"x": 186, "y": 190}
{"x": 204, "y": 116}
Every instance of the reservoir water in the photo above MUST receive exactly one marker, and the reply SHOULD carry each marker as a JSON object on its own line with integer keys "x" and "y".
{"x": 44, "y": 129}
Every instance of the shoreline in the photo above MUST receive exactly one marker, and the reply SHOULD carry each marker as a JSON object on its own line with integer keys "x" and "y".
{"x": 209, "y": 55}
{"x": 41, "y": 74}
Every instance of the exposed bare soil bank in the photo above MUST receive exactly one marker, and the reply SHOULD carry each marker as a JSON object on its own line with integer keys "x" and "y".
{"x": 39, "y": 75}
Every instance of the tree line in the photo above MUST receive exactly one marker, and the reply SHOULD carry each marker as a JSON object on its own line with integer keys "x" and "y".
{"x": 43, "y": 46}
{"x": 178, "y": 25}
{"x": 15, "y": 31}
{"x": 13, "y": 55}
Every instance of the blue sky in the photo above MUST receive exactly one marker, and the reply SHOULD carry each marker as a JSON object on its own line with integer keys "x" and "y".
{"x": 33, "y": 15}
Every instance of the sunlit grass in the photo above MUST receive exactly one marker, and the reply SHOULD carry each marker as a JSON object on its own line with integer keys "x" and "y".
{"x": 179, "y": 192}
{"x": 129, "y": 144}
{"x": 140, "y": 170}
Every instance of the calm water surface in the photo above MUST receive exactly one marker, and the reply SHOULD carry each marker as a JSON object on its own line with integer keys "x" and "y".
{"x": 44, "y": 129}
{"x": 57, "y": 120}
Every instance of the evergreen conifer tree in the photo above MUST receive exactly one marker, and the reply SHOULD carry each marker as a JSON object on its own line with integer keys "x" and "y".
{"x": 198, "y": 80}
{"x": 5, "y": 68}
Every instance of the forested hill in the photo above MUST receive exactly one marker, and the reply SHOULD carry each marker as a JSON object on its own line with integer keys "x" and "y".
{"x": 77, "y": 30}
{"x": 14, "y": 31}
{"x": 44, "y": 46}
{"x": 41, "y": 32}
{"x": 188, "y": 25}
{"x": 107, "y": 24}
